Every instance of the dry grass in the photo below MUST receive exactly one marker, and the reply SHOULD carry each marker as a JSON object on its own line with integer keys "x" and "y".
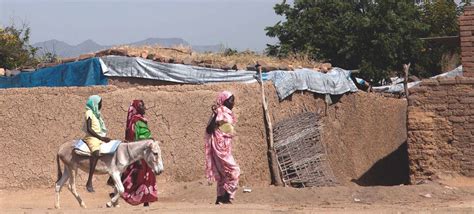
{"x": 184, "y": 55}
{"x": 242, "y": 60}
{"x": 250, "y": 58}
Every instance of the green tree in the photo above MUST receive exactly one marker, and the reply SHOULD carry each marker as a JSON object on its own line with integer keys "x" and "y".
{"x": 15, "y": 50}
{"x": 48, "y": 57}
{"x": 230, "y": 52}
{"x": 375, "y": 36}
{"x": 442, "y": 18}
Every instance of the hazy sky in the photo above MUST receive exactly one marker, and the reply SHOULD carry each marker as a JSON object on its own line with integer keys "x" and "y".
{"x": 236, "y": 23}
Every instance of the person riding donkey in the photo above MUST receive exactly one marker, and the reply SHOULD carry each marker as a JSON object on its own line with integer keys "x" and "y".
{"x": 95, "y": 130}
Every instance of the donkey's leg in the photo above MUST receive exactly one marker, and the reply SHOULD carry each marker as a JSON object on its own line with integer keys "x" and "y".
{"x": 116, "y": 204}
{"x": 116, "y": 192}
{"x": 59, "y": 185}
{"x": 119, "y": 189}
{"x": 72, "y": 185}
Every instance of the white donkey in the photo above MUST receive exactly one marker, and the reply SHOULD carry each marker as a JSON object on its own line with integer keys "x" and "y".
{"x": 113, "y": 164}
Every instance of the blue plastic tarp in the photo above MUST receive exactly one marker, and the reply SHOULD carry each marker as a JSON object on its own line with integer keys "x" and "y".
{"x": 82, "y": 73}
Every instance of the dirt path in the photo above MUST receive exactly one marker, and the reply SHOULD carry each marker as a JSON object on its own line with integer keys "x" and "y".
{"x": 197, "y": 197}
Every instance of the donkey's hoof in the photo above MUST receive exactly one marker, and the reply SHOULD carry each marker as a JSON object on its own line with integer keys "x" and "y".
{"x": 83, "y": 205}
{"x": 108, "y": 204}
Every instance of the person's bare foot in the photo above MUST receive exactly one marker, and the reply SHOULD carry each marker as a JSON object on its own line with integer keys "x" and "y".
{"x": 146, "y": 204}
{"x": 90, "y": 188}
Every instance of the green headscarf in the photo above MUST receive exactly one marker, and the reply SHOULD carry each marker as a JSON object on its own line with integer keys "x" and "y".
{"x": 93, "y": 105}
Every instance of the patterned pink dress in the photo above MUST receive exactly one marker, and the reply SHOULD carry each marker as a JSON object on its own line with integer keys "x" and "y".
{"x": 220, "y": 164}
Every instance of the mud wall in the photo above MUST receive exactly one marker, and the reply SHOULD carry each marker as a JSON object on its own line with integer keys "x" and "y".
{"x": 365, "y": 134}
{"x": 358, "y": 130}
{"x": 441, "y": 128}
{"x": 466, "y": 25}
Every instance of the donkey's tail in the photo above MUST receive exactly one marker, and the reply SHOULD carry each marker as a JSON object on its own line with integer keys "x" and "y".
{"x": 60, "y": 174}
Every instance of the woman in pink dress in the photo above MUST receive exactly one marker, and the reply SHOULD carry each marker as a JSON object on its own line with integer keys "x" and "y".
{"x": 220, "y": 164}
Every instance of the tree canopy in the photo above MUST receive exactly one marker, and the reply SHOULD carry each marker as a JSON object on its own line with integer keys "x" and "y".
{"x": 15, "y": 50}
{"x": 376, "y": 36}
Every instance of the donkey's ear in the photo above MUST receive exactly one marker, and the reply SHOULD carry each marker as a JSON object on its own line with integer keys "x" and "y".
{"x": 150, "y": 144}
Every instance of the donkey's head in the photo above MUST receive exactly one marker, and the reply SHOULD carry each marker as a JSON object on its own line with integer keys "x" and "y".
{"x": 153, "y": 157}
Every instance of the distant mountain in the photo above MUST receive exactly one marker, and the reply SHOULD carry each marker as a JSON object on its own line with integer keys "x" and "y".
{"x": 63, "y": 49}
{"x": 208, "y": 48}
{"x": 167, "y": 42}
{"x": 88, "y": 46}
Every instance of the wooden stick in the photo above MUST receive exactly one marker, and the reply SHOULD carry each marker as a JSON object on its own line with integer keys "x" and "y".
{"x": 355, "y": 71}
{"x": 406, "y": 69}
{"x": 177, "y": 50}
{"x": 272, "y": 159}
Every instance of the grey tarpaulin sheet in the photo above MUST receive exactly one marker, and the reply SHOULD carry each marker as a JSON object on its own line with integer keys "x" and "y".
{"x": 335, "y": 82}
{"x": 119, "y": 66}
{"x": 398, "y": 87}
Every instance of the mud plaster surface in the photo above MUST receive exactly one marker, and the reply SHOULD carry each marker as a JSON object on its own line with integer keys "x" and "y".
{"x": 359, "y": 130}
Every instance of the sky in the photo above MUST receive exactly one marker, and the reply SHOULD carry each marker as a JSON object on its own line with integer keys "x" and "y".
{"x": 235, "y": 23}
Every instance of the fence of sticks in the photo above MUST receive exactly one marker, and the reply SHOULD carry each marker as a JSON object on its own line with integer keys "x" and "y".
{"x": 301, "y": 155}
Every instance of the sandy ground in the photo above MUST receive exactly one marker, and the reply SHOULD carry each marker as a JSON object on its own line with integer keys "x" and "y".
{"x": 454, "y": 195}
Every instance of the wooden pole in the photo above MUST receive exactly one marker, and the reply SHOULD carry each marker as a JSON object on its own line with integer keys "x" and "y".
{"x": 406, "y": 69}
{"x": 272, "y": 159}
